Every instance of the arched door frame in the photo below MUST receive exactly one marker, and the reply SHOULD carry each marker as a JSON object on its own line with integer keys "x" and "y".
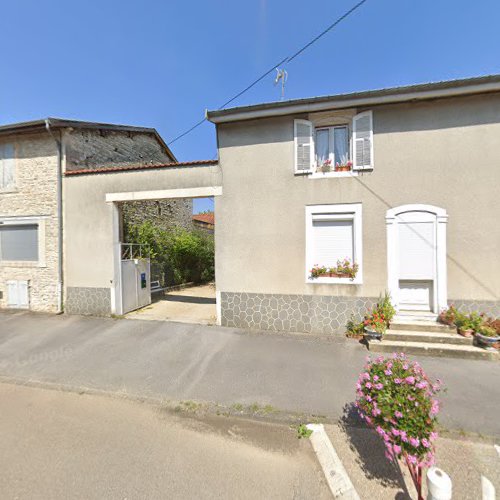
{"x": 440, "y": 292}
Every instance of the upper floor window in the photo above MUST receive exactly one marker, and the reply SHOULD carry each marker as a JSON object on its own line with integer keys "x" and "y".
{"x": 332, "y": 147}
{"x": 7, "y": 162}
{"x": 335, "y": 148}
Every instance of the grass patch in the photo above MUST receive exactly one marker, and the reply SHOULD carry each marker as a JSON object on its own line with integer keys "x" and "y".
{"x": 303, "y": 431}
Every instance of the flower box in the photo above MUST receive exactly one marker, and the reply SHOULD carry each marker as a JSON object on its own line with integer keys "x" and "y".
{"x": 344, "y": 269}
{"x": 333, "y": 275}
{"x": 342, "y": 168}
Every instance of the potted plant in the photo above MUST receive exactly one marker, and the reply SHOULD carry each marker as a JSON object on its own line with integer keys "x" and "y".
{"x": 343, "y": 167}
{"x": 384, "y": 306}
{"x": 468, "y": 324}
{"x": 486, "y": 336}
{"x": 355, "y": 328}
{"x": 326, "y": 166}
{"x": 448, "y": 316}
{"x": 375, "y": 326}
{"x": 396, "y": 398}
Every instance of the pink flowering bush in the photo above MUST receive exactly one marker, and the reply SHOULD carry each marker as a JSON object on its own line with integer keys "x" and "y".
{"x": 397, "y": 399}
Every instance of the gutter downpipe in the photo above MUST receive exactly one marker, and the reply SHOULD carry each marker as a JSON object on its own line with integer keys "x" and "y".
{"x": 60, "y": 219}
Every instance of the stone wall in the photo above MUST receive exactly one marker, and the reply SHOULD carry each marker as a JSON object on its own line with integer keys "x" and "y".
{"x": 91, "y": 148}
{"x": 165, "y": 214}
{"x": 34, "y": 195}
{"x": 295, "y": 313}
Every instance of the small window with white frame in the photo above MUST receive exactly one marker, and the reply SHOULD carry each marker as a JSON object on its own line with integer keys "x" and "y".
{"x": 21, "y": 241}
{"x": 334, "y": 243}
{"x": 332, "y": 148}
{"x": 335, "y": 146}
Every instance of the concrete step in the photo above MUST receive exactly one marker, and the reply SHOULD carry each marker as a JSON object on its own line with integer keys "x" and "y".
{"x": 416, "y": 316}
{"x": 427, "y": 337}
{"x": 421, "y": 326}
{"x": 433, "y": 349}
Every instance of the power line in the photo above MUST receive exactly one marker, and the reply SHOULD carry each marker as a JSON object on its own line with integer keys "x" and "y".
{"x": 286, "y": 60}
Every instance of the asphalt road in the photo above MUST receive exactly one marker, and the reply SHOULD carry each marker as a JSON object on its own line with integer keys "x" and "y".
{"x": 60, "y": 445}
{"x": 179, "y": 361}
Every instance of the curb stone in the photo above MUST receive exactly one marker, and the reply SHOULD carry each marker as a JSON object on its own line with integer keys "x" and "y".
{"x": 336, "y": 476}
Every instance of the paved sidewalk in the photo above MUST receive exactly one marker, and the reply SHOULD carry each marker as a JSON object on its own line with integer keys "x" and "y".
{"x": 177, "y": 361}
{"x": 60, "y": 445}
{"x": 363, "y": 455}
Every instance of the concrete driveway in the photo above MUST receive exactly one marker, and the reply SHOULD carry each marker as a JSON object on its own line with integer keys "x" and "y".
{"x": 195, "y": 304}
{"x": 176, "y": 361}
{"x": 62, "y": 445}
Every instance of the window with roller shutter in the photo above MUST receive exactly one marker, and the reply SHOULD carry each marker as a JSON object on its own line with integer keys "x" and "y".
{"x": 333, "y": 233}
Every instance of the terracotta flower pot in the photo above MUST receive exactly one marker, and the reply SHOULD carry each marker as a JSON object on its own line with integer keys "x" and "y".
{"x": 466, "y": 333}
{"x": 342, "y": 168}
{"x": 333, "y": 275}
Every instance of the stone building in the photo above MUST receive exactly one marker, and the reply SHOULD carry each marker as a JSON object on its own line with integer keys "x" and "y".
{"x": 34, "y": 157}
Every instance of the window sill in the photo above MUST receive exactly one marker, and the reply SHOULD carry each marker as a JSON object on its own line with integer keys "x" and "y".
{"x": 21, "y": 263}
{"x": 9, "y": 191}
{"x": 335, "y": 281}
{"x": 323, "y": 175}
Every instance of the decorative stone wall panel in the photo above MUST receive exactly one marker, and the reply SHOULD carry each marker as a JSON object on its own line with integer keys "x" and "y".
{"x": 489, "y": 307}
{"x": 88, "y": 301}
{"x": 294, "y": 313}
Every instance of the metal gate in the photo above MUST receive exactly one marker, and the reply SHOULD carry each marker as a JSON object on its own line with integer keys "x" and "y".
{"x": 135, "y": 277}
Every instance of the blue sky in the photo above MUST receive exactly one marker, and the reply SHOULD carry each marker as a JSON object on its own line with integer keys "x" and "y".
{"x": 161, "y": 63}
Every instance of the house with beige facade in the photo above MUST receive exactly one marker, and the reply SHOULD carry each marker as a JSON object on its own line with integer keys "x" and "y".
{"x": 330, "y": 201}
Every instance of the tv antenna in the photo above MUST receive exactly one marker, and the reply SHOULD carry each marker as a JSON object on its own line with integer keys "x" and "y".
{"x": 281, "y": 74}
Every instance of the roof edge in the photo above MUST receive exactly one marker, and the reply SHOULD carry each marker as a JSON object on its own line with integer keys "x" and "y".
{"x": 393, "y": 95}
{"x": 40, "y": 125}
{"x": 131, "y": 168}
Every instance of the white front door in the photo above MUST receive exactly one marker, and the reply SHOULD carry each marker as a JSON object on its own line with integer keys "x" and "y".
{"x": 416, "y": 245}
{"x": 417, "y": 259}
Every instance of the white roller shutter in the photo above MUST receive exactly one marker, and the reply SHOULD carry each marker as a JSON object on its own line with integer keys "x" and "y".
{"x": 417, "y": 250}
{"x": 362, "y": 139}
{"x": 304, "y": 146}
{"x": 332, "y": 241}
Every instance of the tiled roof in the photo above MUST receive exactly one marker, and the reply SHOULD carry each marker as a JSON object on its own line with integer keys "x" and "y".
{"x": 125, "y": 168}
{"x": 208, "y": 218}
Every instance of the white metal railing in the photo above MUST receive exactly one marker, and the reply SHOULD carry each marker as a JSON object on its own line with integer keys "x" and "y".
{"x": 130, "y": 251}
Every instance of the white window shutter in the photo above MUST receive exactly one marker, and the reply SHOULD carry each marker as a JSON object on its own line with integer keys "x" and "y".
{"x": 6, "y": 166}
{"x": 17, "y": 294}
{"x": 12, "y": 294}
{"x": 22, "y": 294}
{"x": 304, "y": 146}
{"x": 362, "y": 139}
